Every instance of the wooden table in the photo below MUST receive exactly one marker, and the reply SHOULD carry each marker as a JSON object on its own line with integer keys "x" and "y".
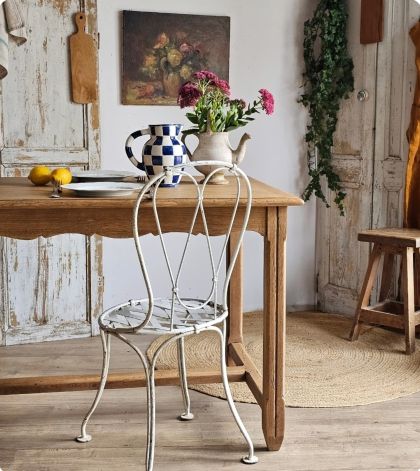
{"x": 27, "y": 212}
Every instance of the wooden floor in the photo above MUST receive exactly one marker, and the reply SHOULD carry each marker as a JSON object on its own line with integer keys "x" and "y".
{"x": 36, "y": 431}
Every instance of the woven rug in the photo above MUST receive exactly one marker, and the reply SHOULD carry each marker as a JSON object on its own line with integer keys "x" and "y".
{"x": 323, "y": 369}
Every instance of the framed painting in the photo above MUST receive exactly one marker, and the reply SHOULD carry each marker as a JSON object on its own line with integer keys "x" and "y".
{"x": 161, "y": 51}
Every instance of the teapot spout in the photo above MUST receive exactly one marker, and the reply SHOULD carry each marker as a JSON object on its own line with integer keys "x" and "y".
{"x": 239, "y": 153}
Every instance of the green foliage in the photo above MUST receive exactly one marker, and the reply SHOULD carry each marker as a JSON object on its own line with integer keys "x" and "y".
{"x": 216, "y": 113}
{"x": 328, "y": 80}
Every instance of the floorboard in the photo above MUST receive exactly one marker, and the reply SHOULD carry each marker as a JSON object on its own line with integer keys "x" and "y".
{"x": 36, "y": 431}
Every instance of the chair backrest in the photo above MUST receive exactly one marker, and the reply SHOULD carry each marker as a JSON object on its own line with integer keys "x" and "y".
{"x": 242, "y": 199}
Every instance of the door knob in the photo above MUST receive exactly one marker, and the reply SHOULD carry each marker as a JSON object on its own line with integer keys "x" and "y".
{"x": 362, "y": 95}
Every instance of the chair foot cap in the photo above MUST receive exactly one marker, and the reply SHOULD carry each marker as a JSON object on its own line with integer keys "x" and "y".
{"x": 186, "y": 416}
{"x": 249, "y": 459}
{"x": 83, "y": 438}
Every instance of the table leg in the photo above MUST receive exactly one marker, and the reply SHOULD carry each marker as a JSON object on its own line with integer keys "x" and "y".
{"x": 274, "y": 327}
{"x": 235, "y": 299}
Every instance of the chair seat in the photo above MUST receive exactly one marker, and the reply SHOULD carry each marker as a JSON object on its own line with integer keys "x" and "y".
{"x": 392, "y": 236}
{"x": 128, "y": 316}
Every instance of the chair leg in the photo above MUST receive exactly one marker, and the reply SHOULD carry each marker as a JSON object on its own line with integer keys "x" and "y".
{"x": 250, "y": 458}
{"x": 150, "y": 397}
{"x": 106, "y": 344}
{"x": 408, "y": 296}
{"x": 151, "y": 418}
{"x": 370, "y": 276}
{"x": 187, "y": 415}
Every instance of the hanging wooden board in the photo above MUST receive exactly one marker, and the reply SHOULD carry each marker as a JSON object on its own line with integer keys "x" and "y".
{"x": 372, "y": 21}
{"x": 83, "y": 59}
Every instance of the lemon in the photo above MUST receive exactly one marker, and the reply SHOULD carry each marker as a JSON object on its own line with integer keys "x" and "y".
{"x": 62, "y": 176}
{"x": 40, "y": 175}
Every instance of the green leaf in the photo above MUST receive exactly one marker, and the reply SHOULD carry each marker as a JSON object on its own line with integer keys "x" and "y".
{"x": 328, "y": 79}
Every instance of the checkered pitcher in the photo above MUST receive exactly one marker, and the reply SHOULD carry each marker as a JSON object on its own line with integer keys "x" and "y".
{"x": 164, "y": 148}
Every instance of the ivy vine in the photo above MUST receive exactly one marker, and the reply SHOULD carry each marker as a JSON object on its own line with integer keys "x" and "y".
{"x": 328, "y": 79}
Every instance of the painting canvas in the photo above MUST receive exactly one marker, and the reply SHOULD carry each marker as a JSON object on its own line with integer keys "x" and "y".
{"x": 161, "y": 51}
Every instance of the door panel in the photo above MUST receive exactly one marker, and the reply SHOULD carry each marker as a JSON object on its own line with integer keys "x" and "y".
{"x": 340, "y": 258}
{"x": 371, "y": 140}
{"x": 38, "y": 112}
{"x": 51, "y": 288}
{"x": 396, "y": 81}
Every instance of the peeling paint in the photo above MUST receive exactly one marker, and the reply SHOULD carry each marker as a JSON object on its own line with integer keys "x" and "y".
{"x": 63, "y": 6}
{"x": 41, "y": 103}
{"x": 95, "y": 116}
{"x": 13, "y": 319}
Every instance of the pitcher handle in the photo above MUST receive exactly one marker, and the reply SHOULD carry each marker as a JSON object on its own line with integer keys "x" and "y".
{"x": 183, "y": 137}
{"x": 129, "y": 150}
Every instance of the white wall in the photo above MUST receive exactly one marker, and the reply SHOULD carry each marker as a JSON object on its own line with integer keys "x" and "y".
{"x": 266, "y": 52}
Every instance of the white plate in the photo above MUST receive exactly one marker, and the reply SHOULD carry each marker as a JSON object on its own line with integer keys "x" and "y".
{"x": 103, "y": 189}
{"x": 101, "y": 175}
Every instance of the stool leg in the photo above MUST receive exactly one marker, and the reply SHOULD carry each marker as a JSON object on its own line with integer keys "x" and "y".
{"x": 417, "y": 277}
{"x": 370, "y": 276}
{"x": 408, "y": 296}
{"x": 387, "y": 273}
{"x": 416, "y": 284}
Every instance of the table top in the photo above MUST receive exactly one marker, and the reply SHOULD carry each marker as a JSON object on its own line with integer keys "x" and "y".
{"x": 20, "y": 193}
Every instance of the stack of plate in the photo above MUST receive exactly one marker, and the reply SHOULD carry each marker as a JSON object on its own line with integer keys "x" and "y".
{"x": 101, "y": 176}
{"x": 103, "y": 183}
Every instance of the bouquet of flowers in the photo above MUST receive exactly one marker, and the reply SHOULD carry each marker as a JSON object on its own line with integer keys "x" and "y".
{"x": 214, "y": 110}
{"x": 172, "y": 55}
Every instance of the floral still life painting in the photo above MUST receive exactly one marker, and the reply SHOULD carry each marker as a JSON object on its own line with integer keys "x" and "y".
{"x": 162, "y": 51}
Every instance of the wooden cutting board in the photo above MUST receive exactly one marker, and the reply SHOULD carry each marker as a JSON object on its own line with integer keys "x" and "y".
{"x": 83, "y": 58}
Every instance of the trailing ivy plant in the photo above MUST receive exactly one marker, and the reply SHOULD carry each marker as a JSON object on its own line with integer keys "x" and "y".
{"x": 328, "y": 79}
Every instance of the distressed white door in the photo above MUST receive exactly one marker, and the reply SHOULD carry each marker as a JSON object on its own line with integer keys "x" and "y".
{"x": 341, "y": 260}
{"x": 395, "y": 88}
{"x": 370, "y": 154}
{"x": 49, "y": 288}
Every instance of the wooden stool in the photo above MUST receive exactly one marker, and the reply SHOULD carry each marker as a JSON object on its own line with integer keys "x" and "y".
{"x": 400, "y": 315}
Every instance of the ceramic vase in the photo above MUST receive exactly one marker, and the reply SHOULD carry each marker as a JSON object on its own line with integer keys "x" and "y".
{"x": 216, "y": 146}
{"x": 164, "y": 148}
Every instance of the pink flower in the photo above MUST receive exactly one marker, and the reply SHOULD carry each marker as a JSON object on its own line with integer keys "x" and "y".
{"x": 186, "y": 48}
{"x": 205, "y": 75}
{"x": 267, "y": 101}
{"x": 222, "y": 85}
{"x": 188, "y": 95}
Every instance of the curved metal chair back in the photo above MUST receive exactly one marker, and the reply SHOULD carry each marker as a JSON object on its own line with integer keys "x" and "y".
{"x": 242, "y": 198}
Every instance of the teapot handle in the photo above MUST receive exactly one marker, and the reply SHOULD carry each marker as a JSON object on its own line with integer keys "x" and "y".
{"x": 183, "y": 137}
{"x": 129, "y": 150}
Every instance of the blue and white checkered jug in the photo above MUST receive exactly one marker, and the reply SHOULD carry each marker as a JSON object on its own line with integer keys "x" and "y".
{"x": 164, "y": 148}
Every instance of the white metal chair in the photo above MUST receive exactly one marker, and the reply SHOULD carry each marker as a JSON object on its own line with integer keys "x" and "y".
{"x": 175, "y": 315}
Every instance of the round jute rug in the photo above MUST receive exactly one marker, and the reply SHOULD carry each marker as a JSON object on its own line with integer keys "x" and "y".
{"x": 323, "y": 369}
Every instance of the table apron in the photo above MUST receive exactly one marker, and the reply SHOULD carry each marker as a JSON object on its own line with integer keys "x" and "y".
{"x": 117, "y": 222}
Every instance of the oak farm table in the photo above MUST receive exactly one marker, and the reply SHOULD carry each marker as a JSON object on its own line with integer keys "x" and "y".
{"x": 27, "y": 212}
